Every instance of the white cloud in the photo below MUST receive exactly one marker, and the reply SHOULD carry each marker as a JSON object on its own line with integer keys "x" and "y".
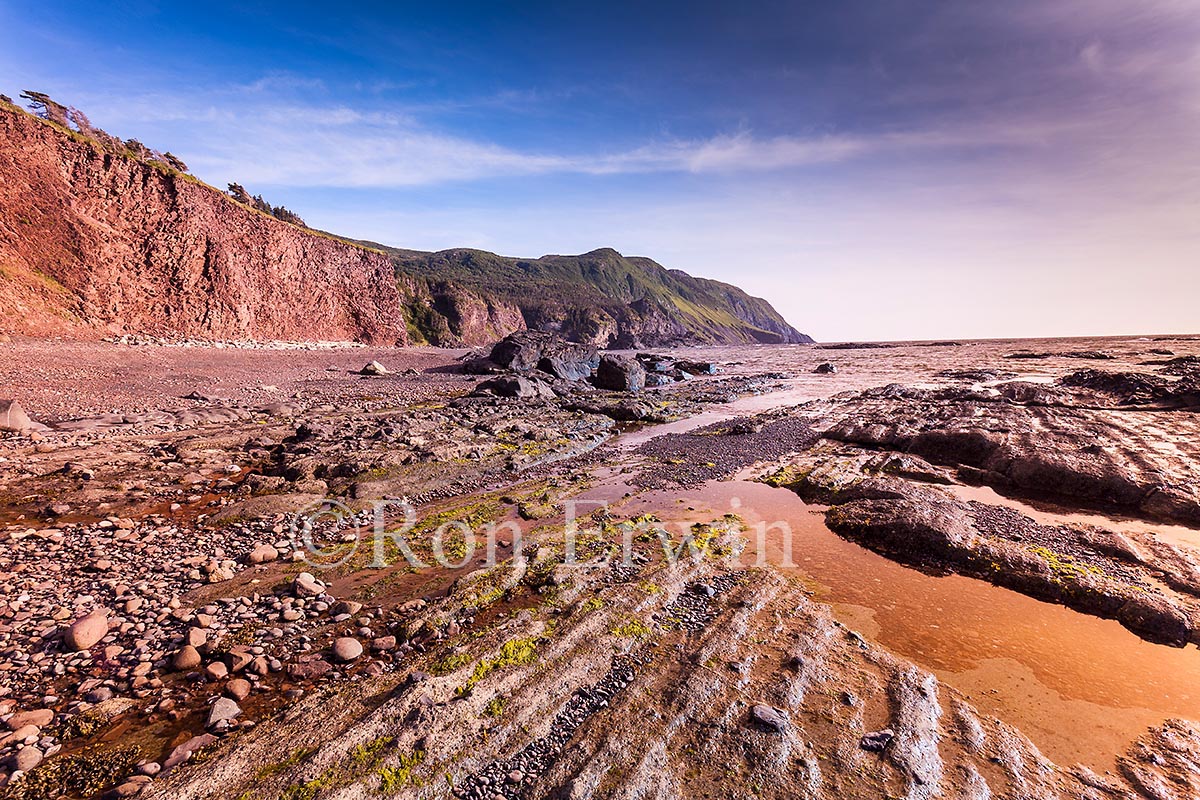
{"x": 338, "y": 146}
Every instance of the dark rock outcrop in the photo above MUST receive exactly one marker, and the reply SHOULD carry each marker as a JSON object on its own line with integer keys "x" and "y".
{"x": 529, "y": 350}
{"x": 1083, "y": 438}
{"x": 515, "y": 386}
{"x": 620, "y": 374}
{"x": 885, "y": 502}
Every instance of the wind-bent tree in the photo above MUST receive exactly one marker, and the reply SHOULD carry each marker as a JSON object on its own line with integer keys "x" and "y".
{"x": 239, "y": 193}
{"x": 139, "y": 150}
{"x": 175, "y": 162}
{"x": 41, "y": 105}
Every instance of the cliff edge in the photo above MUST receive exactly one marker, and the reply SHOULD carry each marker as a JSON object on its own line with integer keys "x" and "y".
{"x": 93, "y": 242}
{"x": 98, "y": 240}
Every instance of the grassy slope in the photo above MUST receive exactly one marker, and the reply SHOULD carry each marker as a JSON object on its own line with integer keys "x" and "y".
{"x": 602, "y": 278}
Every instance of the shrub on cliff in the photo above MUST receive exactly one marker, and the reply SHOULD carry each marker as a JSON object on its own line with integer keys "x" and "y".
{"x": 239, "y": 193}
{"x": 75, "y": 122}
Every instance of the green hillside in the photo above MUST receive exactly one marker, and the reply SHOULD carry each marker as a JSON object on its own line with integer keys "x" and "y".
{"x": 607, "y": 298}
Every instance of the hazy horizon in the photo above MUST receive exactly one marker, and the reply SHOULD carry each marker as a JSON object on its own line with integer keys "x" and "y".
{"x": 877, "y": 172}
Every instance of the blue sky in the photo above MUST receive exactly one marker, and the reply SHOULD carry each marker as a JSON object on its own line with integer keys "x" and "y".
{"x": 875, "y": 169}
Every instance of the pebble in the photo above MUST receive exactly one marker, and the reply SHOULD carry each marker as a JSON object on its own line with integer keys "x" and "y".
{"x": 306, "y": 585}
{"x": 39, "y": 718}
{"x": 184, "y": 751}
{"x": 223, "y": 710}
{"x": 769, "y": 716}
{"x": 262, "y": 554}
{"x": 27, "y": 758}
{"x": 238, "y": 688}
{"x": 187, "y": 658}
{"x": 877, "y": 741}
{"x": 87, "y": 631}
{"x": 384, "y": 643}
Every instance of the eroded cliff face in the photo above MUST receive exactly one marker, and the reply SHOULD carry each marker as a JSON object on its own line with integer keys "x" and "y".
{"x": 93, "y": 243}
{"x": 445, "y": 314}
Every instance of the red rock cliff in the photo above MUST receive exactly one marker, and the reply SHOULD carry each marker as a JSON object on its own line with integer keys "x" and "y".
{"x": 92, "y": 243}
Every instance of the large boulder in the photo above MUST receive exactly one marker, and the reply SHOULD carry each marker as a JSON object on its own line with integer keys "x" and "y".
{"x": 516, "y": 386}
{"x": 525, "y": 351}
{"x": 566, "y": 367}
{"x": 14, "y": 418}
{"x": 620, "y": 374}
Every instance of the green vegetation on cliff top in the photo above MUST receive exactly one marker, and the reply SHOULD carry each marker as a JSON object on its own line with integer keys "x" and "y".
{"x": 578, "y": 293}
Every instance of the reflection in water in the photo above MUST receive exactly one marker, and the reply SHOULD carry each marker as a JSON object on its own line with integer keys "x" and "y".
{"x": 1080, "y": 687}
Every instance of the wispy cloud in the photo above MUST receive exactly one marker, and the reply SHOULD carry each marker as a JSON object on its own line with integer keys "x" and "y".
{"x": 242, "y": 133}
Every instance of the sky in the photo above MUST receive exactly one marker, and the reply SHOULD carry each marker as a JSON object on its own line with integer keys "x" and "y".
{"x": 877, "y": 170}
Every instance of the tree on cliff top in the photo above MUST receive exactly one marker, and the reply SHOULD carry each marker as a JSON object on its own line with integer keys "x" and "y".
{"x": 280, "y": 212}
{"x": 41, "y": 105}
{"x": 175, "y": 161}
{"x": 72, "y": 118}
{"x": 239, "y": 193}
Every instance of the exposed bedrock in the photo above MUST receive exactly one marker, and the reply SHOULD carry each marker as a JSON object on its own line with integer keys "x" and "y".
{"x": 669, "y": 694}
{"x": 1089, "y": 445}
{"x": 889, "y": 503}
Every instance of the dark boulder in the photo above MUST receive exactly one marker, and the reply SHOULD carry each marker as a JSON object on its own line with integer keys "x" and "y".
{"x": 826, "y": 369}
{"x": 697, "y": 367}
{"x": 480, "y": 365}
{"x": 620, "y": 374}
{"x": 567, "y": 368}
{"x": 525, "y": 351}
{"x": 514, "y": 386}
{"x": 654, "y": 362}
